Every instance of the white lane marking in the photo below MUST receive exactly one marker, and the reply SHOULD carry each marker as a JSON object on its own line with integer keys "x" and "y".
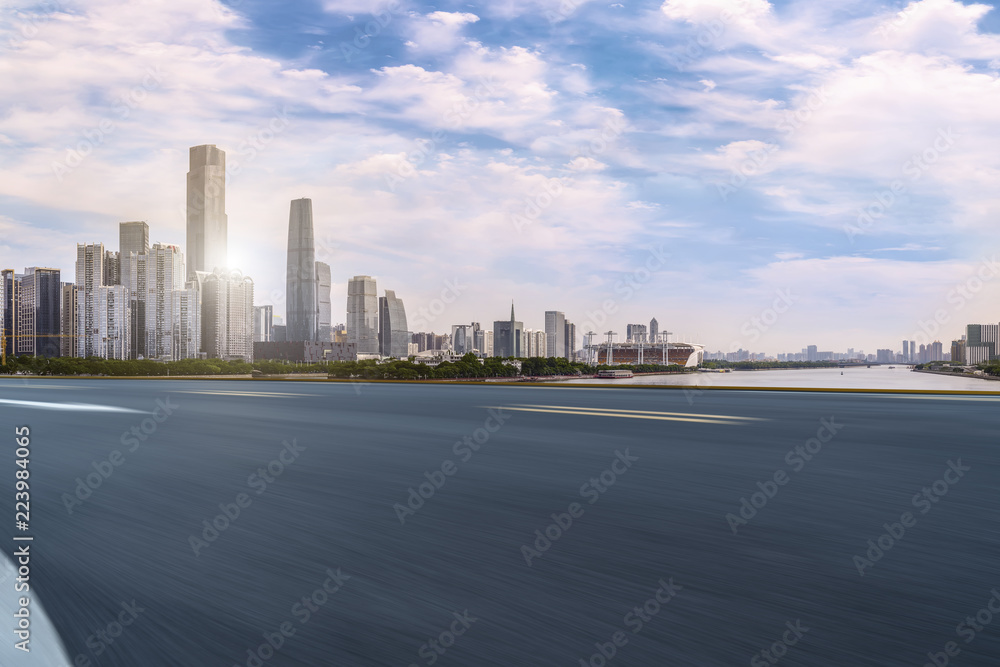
{"x": 641, "y": 412}
{"x": 241, "y": 393}
{"x": 70, "y": 407}
{"x": 599, "y": 413}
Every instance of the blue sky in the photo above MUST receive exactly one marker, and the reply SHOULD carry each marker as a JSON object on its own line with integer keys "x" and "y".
{"x": 689, "y": 159}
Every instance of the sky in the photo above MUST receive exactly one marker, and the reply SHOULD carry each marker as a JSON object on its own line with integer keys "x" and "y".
{"x": 757, "y": 175}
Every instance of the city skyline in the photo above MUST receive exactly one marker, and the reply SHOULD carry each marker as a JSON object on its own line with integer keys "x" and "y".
{"x": 716, "y": 170}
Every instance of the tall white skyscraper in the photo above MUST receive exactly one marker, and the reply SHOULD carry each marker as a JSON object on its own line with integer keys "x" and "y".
{"x": 263, "y": 324}
{"x": 207, "y": 223}
{"x": 186, "y": 323}
{"x": 393, "y": 338}
{"x": 362, "y": 314}
{"x": 113, "y": 316}
{"x": 555, "y": 333}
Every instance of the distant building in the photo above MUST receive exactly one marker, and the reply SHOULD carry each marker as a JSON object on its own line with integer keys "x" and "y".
{"x": 164, "y": 274}
{"x": 263, "y": 321}
{"x": 89, "y": 278}
{"x": 278, "y": 333}
{"x": 227, "y": 314}
{"x": 301, "y": 300}
{"x": 393, "y": 338}
{"x": 536, "y": 344}
{"x": 466, "y": 338}
{"x": 304, "y": 352}
{"x": 186, "y": 323}
{"x": 324, "y": 306}
{"x": 958, "y": 351}
{"x": 555, "y": 333}
{"x": 654, "y": 331}
{"x": 507, "y": 337}
{"x": 112, "y": 268}
{"x": 207, "y": 222}
{"x": 67, "y": 316}
{"x": 981, "y": 343}
{"x": 362, "y": 314}
{"x": 133, "y": 253}
{"x": 682, "y": 354}
{"x": 636, "y": 333}
{"x": 30, "y": 319}
{"x": 570, "y": 341}
{"x": 112, "y": 323}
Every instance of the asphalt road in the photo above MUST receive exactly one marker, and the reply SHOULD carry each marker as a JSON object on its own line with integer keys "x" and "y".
{"x": 336, "y": 562}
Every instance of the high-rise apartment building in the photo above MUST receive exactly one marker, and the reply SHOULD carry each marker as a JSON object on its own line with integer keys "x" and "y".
{"x": 112, "y": 323}
{"x": 362, "y": 314}
{"x": 207, "y": 223}
{"x": 226, "y": 314}
{"x": 89, "y": 278}
{"x": 164, "y": 274}
{"x": 301, "y": 302}
{"x": 981, "y": 343}
{"x": 570, "y": 341}
{"x": 324, "y": 306}
{"x": 186, "y": 322}
{"x": 393, "y": 337}
{"x": 112, "y": 268}
{"x": 555, "y": 332}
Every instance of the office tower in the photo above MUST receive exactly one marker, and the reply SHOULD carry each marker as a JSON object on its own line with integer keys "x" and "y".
{"x": 654, "y": 331}
{"x": 164, "y": 274}
{"x": 812, "y": 353}
{"x": 112, "y": 321}
{"x": 135, "y": 281}
{"x": 324, "y": 307}
{"x": 570, "y": 337}
{"x": 263, "y": 320}
{"x": 67, "y": 324}
{"x": 226, "y": 314}
{"x": 301, "y": 302}
{"x": 186, "y": 322}
{"x": 555, "y": 332}
{"x": 906, "y": 351}
{"x": 478, "y": 339}
{"x": 36, "y": 322}
{"x": 362, "y": 314}
{"x": 981, "y": 343}
{"x": 112, "y": 268}
{"x": 393, "y": 338}
{"x": 460, "y": 335}
{"x": 207, "y": 224}
{"x": 507, "y": 336}
{"x": 278, "y": 332}
{"x": 89, "y": 278}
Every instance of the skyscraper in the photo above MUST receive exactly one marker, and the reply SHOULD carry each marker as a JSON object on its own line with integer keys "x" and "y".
{"x": 324, "y": 307}
{"x": 226, "y": 314}
{"x": 570, "y": 341}
{"x": 164, "y": 274}
{"x": 301, "y": 303}
{"x": 507, "y": 335}
{"x": 207, "y": 223}
{"x": 362, "y": 314}
{"x": 89, "y": 278}
{"x": 67, "y": 327}
{"x": 263, "y": 321}
{"x": 654, "y": 331}
{"x": 36, "y": 313}
{"x": 393, "y": 338}
{"x": 112, "y": 268}
{"x": 8, "y": 283}
{"x": 555, "y": 333}
{"x": 112, "y": 320}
